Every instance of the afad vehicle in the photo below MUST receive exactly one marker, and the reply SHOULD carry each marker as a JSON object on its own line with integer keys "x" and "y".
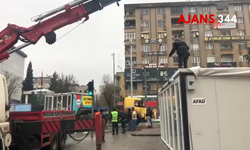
{"x": 139, "y": 106}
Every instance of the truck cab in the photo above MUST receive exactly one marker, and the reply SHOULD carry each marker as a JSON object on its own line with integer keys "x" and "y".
{"x": 5, "y": 137}
{"x": 138, "y": 104}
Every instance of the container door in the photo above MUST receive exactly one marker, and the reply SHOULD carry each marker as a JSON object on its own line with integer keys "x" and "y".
{"x": 48, "y": 103}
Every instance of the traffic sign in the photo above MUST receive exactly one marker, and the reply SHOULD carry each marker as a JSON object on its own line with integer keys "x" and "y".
{"x": 153, "y": 41}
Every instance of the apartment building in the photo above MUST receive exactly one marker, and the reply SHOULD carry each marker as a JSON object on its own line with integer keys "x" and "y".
{"x": 209, "y": 47}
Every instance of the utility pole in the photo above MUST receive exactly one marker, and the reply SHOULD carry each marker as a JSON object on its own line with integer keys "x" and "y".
{"x": 131, "y": 68}
{"x": 145, "y": 87}
{"x": 156, "y": 41}
{"x": 92, "y": 106}
{"x": 157, "y": 76}
{"x": 114, "y": 78}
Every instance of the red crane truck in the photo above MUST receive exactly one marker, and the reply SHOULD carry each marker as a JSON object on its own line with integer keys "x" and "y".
{"x": 42, "y": 129}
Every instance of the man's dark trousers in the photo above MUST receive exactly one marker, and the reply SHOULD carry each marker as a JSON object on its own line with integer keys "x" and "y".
{"x": 115, "y": 127}
{"x": 124, "y": 123}
{"x": 183, "y": 59}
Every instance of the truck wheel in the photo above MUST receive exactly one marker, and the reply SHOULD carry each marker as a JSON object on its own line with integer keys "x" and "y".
{"x": 54, "y": 143}
{"x": 62, "y": 141}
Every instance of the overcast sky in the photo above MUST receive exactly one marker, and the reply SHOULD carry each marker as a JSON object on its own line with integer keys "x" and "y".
{"x": 85, "y": 52}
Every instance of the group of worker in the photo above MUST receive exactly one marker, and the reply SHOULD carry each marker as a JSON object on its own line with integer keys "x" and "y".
{"x": 129, "y": 118}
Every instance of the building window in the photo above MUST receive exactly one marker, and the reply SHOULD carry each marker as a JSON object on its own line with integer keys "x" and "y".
{"x": 227, "y": 58}
{"x": 225, "y": 33}
{"x": 206, "y": 9}
{"x": 241, "y": 33}
{"x": 240, "y": 20}
{"x": 238, "y": 8}
{"x": 196, "y": 61}
{"x": 163, "y": 47}
{"x": 175, "y": 59}
{"x": 128, "y": 62}
{"x": 177, "y": 10}
{"x": 225, "y": 46}
{"x": 128, "y": 87}
{"x": 145, "y": 48}
{"x": 162, "y": 35}
{"x": 145, "y": 61}
{"x": 129, "y": 35}
{"x": 127, "y": 48}
{"x": 161, "y": 11}
{"x": 210, "y": 59}
{"x": 161, "y": 23}
{"x": 209, "y": 46}
{"x": 163, "y": 73}
{"x": 144, "y": 23}
{"x": 144, "y": 12}
{"x": 163, "y": 61}
{"x": 193, "y": 10}
{"x": 208, "y": 33}
{"x": 242, "y": 45}
{"x": 195, "y": 47}
{"x": 195, "y": 34}
{"x": 145, "y": 35}
{"x": 242, "y": 59}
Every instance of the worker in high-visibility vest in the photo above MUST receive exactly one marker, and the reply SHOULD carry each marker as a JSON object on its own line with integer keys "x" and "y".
{"x": 114, "y": 119}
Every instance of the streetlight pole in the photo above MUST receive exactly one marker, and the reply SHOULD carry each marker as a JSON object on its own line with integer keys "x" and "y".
{"x": 145, "y": 87}
{"x": 157, "y": 77}
{"x": 114, "y": 79}
{"x": 131, "y": 68}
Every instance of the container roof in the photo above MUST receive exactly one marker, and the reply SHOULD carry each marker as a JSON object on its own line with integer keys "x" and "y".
{"x": 216, "y": 72}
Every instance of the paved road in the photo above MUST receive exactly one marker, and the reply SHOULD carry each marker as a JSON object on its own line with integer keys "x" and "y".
{"x": 118, "y": 142}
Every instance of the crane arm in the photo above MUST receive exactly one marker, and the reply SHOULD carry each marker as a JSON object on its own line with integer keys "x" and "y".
{"x": 73, "y": 12}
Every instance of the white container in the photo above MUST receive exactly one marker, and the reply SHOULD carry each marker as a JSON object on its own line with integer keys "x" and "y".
{"x": 214, "y": 109}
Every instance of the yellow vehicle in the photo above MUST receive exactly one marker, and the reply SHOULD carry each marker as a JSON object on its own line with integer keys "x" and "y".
{"x": 138, "y": 104}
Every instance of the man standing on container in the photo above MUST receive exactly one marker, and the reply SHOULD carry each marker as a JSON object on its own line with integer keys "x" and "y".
{"x": 182, "y": 52}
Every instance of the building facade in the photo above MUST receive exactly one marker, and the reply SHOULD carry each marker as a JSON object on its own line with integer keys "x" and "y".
{"x": 15, "y": 65}
{"x": 120, "y": 92}
{"x": 37, "y": 82}
{"x": 209, "y": 47}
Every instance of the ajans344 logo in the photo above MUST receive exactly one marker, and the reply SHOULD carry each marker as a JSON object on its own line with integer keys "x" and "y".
{"x": 207, "y": 19}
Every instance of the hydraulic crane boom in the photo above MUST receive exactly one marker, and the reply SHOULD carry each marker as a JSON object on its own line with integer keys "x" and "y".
{"x": 73, "y": 12}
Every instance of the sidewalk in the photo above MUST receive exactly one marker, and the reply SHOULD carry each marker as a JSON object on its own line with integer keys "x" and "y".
{"x": 155, "y": 131}
{"x": 119, "y": 142}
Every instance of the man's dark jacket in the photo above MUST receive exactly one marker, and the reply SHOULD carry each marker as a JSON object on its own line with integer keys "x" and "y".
{"x": 181, "y": 48}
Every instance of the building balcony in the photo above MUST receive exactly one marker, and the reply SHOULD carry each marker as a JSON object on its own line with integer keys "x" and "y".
{"x": 226, "y": 49}
{"x": 243, "y": 64}
{"x": 243, "y": 51}
{"x": 129, "y": 17}
{"x": 128, "y": 42}
{"x": 128, "y": 53}
{"x": 177, "y": 26}
{"x": 154, "y": 53}
{"x": 222, "y": 64}
{"x": 222, "y": 11}
{"x": 175, "y": 15}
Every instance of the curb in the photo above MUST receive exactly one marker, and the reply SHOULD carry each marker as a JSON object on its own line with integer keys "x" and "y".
{"x": 133, "y": 134}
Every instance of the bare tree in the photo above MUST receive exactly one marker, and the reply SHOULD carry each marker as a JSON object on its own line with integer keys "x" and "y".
{"x": 14, "y": 83}
{"x": 106, "y": 91}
